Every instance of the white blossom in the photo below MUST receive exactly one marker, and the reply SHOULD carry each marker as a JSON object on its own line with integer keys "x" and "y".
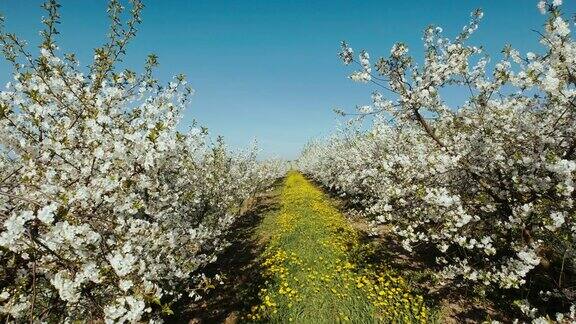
{"x": 490, "y": 182}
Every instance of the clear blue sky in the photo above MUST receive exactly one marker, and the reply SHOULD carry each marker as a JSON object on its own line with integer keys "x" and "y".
{"x": 268, "y": 70}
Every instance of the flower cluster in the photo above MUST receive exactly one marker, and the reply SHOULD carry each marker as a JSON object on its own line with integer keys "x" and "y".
{"x": 107, "y": 211}
{"x": 489, "y": 182}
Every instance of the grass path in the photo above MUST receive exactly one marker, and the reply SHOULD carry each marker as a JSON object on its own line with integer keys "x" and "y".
{"x": 310, "y": 269}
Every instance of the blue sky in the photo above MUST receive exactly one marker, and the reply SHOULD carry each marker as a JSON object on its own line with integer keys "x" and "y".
{"x": 268, "y": 70}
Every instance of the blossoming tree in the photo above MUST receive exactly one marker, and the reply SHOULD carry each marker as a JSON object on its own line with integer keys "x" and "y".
{"x": 107, "y": 211}
{"x": 489, "y": 183}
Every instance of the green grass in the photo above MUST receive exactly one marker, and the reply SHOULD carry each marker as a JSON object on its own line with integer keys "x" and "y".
{"x": 310, "y": 273}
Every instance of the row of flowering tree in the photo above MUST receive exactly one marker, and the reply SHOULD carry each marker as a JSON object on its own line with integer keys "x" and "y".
{"x": 489, "y": 184}
{"x": 107, "y": 211}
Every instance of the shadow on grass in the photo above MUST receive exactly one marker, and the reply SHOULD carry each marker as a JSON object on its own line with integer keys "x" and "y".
{"x": 239, "y": 268}
{"x": 453, "y": 304}
{"x": 460, "y": 302}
